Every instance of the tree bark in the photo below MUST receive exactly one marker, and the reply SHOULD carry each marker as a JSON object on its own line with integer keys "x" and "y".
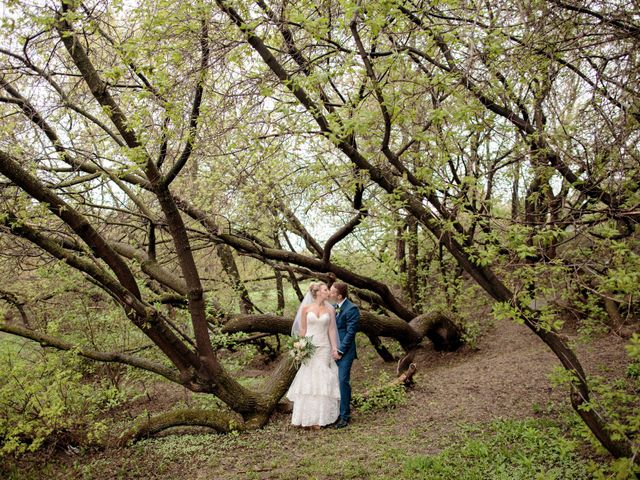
{"x": 221, "y": 422}
{"x": 381, "y": 349}
{"x": 440, "y": 329}
{"x": 412, "y": 261}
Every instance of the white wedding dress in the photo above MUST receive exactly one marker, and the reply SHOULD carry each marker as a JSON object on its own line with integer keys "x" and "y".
{"x": 315, "y": 391}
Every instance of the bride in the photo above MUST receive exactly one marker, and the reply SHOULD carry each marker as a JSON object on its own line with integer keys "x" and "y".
{"x": 315, "y": 392}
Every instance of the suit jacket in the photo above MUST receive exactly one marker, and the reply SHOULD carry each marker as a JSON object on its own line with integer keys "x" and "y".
{"x": 347, "y": 322}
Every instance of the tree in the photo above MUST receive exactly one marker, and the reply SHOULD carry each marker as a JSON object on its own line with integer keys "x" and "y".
{"x": 240, "y": 126}
{"x": 97, "y": 159}
{"x": 461, "y": 54}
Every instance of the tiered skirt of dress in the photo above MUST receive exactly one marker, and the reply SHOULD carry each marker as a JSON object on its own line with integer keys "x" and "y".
{"x": 315, "y": 391}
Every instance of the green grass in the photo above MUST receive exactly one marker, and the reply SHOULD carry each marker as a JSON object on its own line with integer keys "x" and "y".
{"x": 504, "y": 449}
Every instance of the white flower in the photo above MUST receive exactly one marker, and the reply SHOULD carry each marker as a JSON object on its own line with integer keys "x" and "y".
{"x": 301, "y": 349}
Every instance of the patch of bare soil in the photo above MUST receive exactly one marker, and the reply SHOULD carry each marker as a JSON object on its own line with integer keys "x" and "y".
{"x": 507, "y": 376}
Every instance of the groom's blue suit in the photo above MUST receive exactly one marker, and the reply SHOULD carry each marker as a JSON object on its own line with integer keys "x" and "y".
{"x": 347, "y": 321}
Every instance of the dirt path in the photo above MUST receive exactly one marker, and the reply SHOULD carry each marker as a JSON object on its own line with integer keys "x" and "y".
{"x": 506, "y": 377}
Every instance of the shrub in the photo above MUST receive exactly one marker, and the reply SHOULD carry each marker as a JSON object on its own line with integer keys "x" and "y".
{"x": 44, "y": 399}
{"x": 385, "y": 396}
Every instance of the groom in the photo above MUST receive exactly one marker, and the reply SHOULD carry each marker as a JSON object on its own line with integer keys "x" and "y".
{"x": 347, "y": 320}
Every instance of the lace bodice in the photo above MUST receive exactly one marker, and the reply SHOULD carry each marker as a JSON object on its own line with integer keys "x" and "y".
{"x": 318, "y": 328}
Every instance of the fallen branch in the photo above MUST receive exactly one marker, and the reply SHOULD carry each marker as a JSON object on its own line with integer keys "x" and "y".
{"x": 405, "y": 378}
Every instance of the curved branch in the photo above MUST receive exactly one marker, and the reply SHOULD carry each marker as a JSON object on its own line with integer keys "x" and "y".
{"x": 341, "y": 234}
{"x": 195, "y": 109}
{"x": 76, "y": 181}
{"x": 630, "y": 29}
{"x": 109, "y": 357}
{"x": 13, "y": 300}
{"x": 349, "y": 227}
{"x": 300, "y": 229}
{"x": 222, "y": 422}
{"x": 77, "y": 222}
{"x": 381, "y": 326}
{"x": 265, "y": 323}
{"x": 151, "y": 267}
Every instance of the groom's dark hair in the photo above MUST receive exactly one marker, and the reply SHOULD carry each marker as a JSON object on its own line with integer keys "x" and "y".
{"x": 342, "y": 289}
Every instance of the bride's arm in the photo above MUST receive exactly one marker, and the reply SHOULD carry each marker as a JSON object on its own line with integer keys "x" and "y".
{"x": 303, "y": 322}
{"x": 333, "y": 331}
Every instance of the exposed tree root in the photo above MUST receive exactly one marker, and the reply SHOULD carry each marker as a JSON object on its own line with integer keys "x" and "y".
{"x": 221, "y": 422}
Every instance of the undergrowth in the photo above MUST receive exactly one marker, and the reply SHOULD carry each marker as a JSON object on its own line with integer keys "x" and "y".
{"x": 505, "y": 449}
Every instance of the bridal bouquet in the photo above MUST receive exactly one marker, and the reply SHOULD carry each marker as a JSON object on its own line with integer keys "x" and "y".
{"x": 301, "y": 349}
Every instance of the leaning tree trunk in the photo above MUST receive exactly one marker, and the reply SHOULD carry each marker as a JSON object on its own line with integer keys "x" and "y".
{"x": 412, "y": 261}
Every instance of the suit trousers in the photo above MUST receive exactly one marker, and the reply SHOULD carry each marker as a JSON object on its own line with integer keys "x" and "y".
{"x": 344, "y": 377}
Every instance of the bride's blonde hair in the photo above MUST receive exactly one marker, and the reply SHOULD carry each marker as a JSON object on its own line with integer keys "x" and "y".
{"x": 314, "y": 288}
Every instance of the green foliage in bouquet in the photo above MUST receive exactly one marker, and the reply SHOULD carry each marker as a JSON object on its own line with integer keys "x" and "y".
{"x": 300, "y": 349}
